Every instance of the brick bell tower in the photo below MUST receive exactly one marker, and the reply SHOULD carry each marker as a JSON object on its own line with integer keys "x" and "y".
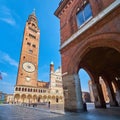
{"x": 28, "y": 65}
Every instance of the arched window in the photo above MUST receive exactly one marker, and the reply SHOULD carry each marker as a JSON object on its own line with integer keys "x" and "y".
{"x": 56, "y": 100}
{"x": 16, "y": 89}
{"x": 22, "y": 89}
{"x": 19, "y": 89}
{"x": 34, "y": 45}
{"x": 33, "y": 24}
{"x": 28, "y": 90}
{"x": 28, "y": 43}
{"x": 25, "y": 89}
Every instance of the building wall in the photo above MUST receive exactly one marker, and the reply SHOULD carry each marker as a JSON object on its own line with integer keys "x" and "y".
{"x": 67, "y": 15}
{"x": 91, "y": 91}
{"x": 78, "y": 43}
{"x": 86, "y": 96}
{"x": 44, "y": 92}
{"x": 2, "y": 97}
{"x": 68, "y": 28}
{"x": 10, "y": 98}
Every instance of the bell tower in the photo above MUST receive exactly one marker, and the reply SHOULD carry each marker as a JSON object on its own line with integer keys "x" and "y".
{"x": 28, "y": 65}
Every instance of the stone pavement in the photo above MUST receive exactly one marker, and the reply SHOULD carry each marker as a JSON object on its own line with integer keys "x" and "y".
{"x": 54, "y": 108}
{"x": 14, "y": 112}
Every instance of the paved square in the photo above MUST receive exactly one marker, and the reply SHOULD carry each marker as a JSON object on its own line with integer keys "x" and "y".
{"x": 14, "y": 112}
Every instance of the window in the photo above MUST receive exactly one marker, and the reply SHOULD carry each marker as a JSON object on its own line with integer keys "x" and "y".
{"x": 28, "y": 43}
{"x": 33, "y": 30}
{"x": 22, "y": 89}
{"x": 23, "y": 57}
{"x": 34, "y": 46}
{"x": 84, "y": 14}
{"x": 19, "y": 89}
{"x": 32, "y": 36}
{"x": 16, "y": 89}
{"x": 30, "y": 51}
{"x": 33, "y": 24}
{"x": 25, "y": 89}
{"x": 28, "y": 90}
{"x": 56, "y": 100}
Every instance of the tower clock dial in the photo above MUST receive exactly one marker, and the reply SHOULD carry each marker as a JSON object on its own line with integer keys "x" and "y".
{"x": 28, "y": 67}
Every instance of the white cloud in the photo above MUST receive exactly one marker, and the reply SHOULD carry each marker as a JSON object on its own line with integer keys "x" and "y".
{"x": 6, "y": 58}
{"x": 4, "y": 74}
{"x": 6, "y": 15}
{"x": 8, "y": 20}
{"x": 11, "y": 61}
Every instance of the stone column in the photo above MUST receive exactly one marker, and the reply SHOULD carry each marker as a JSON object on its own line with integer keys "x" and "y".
{"x": 118, "y": 96}
{"x": 72, "y": 93}
{"x": 111, "y": 95}
{"x": 98, "y": 96}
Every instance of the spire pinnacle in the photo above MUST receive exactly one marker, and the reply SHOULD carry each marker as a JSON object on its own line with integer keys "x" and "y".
{"x": 51, "y": 63}
{"x": 33, "y": 11}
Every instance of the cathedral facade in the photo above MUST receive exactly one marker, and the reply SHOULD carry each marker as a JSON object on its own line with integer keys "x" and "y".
{"x": 28, "y": 89}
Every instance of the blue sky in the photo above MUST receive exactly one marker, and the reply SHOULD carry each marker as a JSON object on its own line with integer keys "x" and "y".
{"x": 13, "y": 16}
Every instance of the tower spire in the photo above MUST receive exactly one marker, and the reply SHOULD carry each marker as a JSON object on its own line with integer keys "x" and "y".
{"x": 33, "y": 12}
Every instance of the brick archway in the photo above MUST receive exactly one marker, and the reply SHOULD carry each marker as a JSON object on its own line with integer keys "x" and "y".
{"x": 102, "y": 40}
{"x": 109, "y": 42}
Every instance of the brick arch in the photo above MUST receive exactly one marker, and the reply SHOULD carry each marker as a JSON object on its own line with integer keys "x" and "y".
{"x": 110, "y": 40}
{"x": 90, "y": 73}
{"x": 17, "y": 97}
{"x": 23, "y": 97}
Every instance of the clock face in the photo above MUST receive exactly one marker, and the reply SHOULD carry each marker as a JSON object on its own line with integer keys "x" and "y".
{"x": 29, "y": 67}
